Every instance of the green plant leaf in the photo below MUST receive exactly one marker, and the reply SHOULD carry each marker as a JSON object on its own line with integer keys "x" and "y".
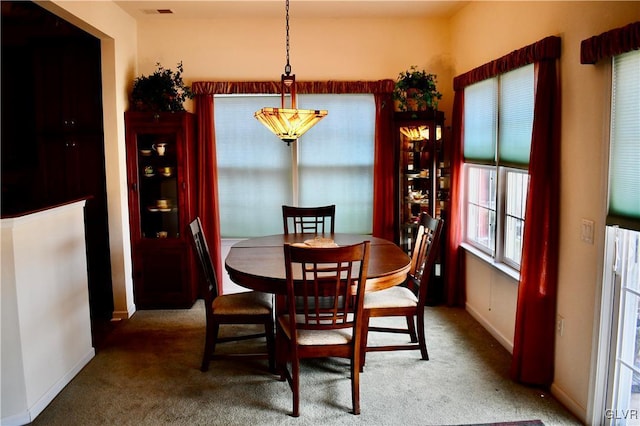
{"x": 416, "y": 90}
{"x": 163, "y": 90}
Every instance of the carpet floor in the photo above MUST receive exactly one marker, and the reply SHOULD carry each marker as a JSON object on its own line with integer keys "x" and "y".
{"x": 146, "y": 372}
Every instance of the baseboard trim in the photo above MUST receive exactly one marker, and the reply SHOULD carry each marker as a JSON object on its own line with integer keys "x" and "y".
{"x": 19, "y": 419}
{"x": 504, "y": 341}
{"x": 32, "y": 412}
{"x": 578, "y": 410}
{"x": 120, "y": 315}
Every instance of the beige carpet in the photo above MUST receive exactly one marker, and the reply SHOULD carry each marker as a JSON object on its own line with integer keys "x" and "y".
{"x": 146, "y": 372}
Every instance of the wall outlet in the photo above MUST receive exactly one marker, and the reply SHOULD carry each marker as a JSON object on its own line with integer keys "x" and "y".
{"x": 560, "y": 325}
{"x": 587, "y": 228}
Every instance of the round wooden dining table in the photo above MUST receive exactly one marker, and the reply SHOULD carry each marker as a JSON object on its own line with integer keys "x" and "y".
{"x": 258, "y": 263}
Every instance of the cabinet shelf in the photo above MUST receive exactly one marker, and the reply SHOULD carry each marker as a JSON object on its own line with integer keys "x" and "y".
{"x": 159, "y": 210}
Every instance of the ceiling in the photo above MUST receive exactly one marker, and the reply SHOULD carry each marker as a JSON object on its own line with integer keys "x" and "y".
{"x": 207, "y": 9}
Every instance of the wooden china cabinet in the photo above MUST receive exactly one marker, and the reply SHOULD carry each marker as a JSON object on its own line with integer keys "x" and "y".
{"x": 161, "y": 179}
{"x": 423, "y": 181}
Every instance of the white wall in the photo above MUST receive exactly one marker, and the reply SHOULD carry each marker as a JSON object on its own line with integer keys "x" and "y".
{"x": 321, "y": 49}
{"x": 484, "y": 31}
{"x": 491, "y": 298}
{"x": 46, "y": 326}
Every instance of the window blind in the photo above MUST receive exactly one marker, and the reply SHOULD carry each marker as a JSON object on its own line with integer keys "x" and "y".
{"x": 624, "y": 164}
{"x": 516, "y": 116}
{"x": 254, "y": 169}
{"x": 480, "y": 121}
{"x": 335, "y": 159}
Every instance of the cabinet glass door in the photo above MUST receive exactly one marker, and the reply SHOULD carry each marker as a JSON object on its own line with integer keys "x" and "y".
{"x": 158, "y": 185}
{"x": 417, "y": 170}
{"x": 443, "y": 173}
{"x": 416, "y": 178}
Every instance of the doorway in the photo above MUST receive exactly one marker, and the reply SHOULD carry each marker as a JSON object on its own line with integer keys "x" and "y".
{"x": 621, "y": 304}
{"x": 615, "y": 390}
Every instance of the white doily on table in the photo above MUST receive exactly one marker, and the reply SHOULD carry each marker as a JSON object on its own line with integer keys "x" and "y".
{"x": 318, "y": 242}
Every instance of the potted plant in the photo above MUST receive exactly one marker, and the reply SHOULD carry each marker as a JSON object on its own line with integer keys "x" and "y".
{"x": 415, "y": 90}
{"x": 163, "y": 90}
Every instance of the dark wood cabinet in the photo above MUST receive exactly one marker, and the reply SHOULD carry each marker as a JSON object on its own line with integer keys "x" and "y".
{"x": 67, "y": 66}
{"x": 68, "y": 117}
{"x": 422, "y": 180}
{"x": 52, "y": 130}
{"x": 161, "y": 178}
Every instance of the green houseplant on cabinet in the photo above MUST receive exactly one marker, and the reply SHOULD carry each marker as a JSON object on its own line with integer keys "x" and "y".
{"x": 415, "y": 90}
{"x": 164, "y": 90}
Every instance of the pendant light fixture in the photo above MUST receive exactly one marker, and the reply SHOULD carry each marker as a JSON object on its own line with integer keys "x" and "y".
{"x": 419, "y": 133}
{"x": 288, "y": 123}
{"x": 415, "y": 133}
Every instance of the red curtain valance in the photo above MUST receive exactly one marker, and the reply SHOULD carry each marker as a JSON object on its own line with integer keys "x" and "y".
{"x": 545, "y": 49}
{"x": 302, "y": 87}
{"x": 610, "y": 43}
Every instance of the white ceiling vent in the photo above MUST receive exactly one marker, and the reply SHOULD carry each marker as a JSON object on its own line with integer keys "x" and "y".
{"x": 157, "y": 11}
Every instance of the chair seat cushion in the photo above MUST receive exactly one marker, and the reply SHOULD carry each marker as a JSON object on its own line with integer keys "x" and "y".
{"x": 317, "y": 337}
{"x": 393, "y": 297}
{"x": 247, "y": 303}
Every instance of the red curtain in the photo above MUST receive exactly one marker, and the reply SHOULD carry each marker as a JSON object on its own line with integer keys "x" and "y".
{"x": 455, "y": 291}
{"x": 207, "y": 177}
{"x": 384, "y": 169}
{"x": 533, "y": 350}
{"x": 533, "y": 347}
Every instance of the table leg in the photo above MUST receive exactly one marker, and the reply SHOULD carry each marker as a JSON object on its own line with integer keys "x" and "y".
{"x": 281, "y": 347}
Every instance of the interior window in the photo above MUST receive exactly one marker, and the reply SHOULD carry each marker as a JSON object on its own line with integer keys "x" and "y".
{"x": 331, "y": 164}
{"x": 498, "y": 117}
{"x": 481, "y": 207}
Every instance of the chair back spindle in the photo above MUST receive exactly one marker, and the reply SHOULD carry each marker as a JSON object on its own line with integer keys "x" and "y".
{"x": 316, "y": 220}
{"x": 209, "y": 282}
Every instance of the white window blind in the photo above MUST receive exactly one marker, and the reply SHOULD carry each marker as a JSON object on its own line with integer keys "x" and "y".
{"x": 498, "y": 123}
{"x": 624, "y": 167}
{"x": 335, "y": 159}
{"x": 516, "y": 116}
{"x": 258, "y": 173}
{"x": 254, "y": 169}
{"x": 481, "y": 121}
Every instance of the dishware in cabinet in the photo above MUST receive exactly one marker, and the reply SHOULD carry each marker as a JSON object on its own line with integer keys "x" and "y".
{"x": 422, "y": 179}
{"x": 160, "y": 162}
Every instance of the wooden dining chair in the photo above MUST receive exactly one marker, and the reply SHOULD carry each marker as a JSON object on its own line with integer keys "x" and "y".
{"x": 251, "y": 307}
{"x": 309, "y": 219}
{"x": 408, "y": 299}
{"x": 325, "y": 288}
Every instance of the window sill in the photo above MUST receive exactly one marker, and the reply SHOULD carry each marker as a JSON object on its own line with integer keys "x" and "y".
{"x": 505, "y": 269}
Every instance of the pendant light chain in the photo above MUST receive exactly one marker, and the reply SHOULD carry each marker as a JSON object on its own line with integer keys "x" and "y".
{"x": 289, "y": 123}
{"x": 287, "y": 68}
